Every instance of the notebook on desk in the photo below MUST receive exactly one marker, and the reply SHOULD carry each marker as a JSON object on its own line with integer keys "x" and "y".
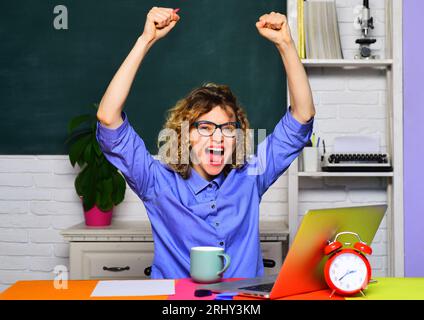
{"x": 302, "y": 269}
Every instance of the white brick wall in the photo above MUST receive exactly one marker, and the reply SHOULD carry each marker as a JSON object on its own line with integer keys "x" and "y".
{"x": 38, "y": 200}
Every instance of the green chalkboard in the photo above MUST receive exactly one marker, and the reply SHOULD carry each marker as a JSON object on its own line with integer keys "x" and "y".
{"x": 48, "y": 76}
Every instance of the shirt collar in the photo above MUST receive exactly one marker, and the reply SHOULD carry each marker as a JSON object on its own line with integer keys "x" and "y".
{"x": 198, "y": 183}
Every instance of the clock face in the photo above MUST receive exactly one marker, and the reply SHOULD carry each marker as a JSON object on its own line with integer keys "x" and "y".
{"x": 348, "y": 272}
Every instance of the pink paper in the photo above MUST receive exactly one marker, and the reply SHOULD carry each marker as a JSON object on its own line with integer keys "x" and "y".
{"x": 184, "y": 290}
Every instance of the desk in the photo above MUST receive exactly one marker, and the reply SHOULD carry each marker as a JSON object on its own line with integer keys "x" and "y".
{"x": 384, "y": 289}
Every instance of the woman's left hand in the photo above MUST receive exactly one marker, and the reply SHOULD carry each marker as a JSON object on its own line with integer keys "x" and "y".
{"x": 274, "y": 27}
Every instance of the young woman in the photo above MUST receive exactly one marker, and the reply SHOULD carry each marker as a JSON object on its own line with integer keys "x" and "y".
{"x": 211, "y": 199}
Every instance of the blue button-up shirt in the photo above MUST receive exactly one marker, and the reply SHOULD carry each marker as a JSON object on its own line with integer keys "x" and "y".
{"x": 192, "y": 212}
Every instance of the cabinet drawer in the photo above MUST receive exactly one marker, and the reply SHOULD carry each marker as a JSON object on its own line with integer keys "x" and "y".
{"x": 128, "y": 260}
{"x": 273, "y": 252}
{"x": 110, "y": 260}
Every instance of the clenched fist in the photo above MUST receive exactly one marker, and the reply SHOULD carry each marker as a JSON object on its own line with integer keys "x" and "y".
{"x": 159, "y": 22}
{"x": 274, "y": 27}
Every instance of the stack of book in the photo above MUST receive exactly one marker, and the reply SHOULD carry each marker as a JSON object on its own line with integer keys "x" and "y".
{"x": 318, "y": 31}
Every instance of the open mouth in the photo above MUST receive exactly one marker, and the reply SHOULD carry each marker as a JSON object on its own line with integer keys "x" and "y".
{"x": 216, "y": 155}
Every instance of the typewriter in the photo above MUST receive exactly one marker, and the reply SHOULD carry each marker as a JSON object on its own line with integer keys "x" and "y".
{"x": 356, "y": 154}
{"x": 357, "y": 162}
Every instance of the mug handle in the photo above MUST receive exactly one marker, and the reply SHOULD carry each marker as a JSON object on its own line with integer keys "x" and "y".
{"x": 226, "y": 265}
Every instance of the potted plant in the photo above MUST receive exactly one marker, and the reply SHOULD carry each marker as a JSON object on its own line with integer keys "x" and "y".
{"x": 99, "y": 184}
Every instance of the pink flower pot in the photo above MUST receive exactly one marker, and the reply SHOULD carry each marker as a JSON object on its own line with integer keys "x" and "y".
{"x": 97, "y": 218}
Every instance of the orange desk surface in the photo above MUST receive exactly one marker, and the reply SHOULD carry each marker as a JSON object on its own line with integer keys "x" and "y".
{"x": 81, "y": 290}
{"x": 384, "y": 289}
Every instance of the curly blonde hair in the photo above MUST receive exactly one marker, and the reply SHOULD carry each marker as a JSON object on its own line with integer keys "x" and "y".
{"x": 198, "y": 102}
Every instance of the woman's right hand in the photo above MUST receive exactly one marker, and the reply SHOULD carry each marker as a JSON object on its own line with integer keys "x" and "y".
{"x": 159, "y": 22}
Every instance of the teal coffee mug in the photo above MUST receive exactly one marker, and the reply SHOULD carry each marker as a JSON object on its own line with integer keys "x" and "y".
{"x": 208, "y": 264}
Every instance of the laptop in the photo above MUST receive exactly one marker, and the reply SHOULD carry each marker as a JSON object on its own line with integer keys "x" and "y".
{"x": 302, "y": 269}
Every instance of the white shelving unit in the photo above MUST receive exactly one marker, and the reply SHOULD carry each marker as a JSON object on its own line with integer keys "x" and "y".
{"x": 342, "y": 63}
{"x": 344, "y": 174}
{"x": 394, "y": 135}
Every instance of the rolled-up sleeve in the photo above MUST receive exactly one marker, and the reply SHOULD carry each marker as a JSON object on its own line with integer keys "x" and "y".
{"x": 279, "y": 149}
{"x": 124, "y": 148}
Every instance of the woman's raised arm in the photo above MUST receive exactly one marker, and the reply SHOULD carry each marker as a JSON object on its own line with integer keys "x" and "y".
{"x": 274, "y": 27}
{"x": 159, "y": 22}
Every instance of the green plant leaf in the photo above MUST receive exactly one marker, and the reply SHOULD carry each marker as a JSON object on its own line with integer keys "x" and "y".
{"x": 77, "y": 148}
{"x": 77, "y": 135}
{"x": 98, "y": 199}
{"x": 77, "y": 121}
{"x": 107, "y": 207}
{"x": 97, "y": 149}
{"x": 89, "y": 201}
{"x": 88, "y": 155}
{"x": 87, "y": 204}
{"x": 79, "y": 181}
{"x": 105, "y": 170}
{"x": 106, "y": 187}
{"x": 94, "y": 126}
{"x": 119, "y": 188}
{"x": 88, "y": 186}
{"x": 84, "y": 182}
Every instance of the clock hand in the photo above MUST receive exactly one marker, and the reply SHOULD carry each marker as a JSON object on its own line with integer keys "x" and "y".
{"x": 347, "y": 273}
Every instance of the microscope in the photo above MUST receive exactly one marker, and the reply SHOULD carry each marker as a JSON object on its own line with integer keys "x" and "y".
{"x": 364, "y": 22}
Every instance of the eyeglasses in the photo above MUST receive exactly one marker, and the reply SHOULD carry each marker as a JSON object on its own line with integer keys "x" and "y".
{"x": 207, "y": 128}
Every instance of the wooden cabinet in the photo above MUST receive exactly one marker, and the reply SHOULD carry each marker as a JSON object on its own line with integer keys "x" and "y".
{"x": 125, "y": 250}
{"x": 110, "y": 260}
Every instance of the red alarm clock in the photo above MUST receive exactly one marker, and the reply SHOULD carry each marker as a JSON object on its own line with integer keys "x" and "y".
{"x": 347, "y": 271}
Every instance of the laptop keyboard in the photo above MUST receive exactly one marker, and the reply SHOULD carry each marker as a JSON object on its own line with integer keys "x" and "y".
{"x": 266, "y": 287}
